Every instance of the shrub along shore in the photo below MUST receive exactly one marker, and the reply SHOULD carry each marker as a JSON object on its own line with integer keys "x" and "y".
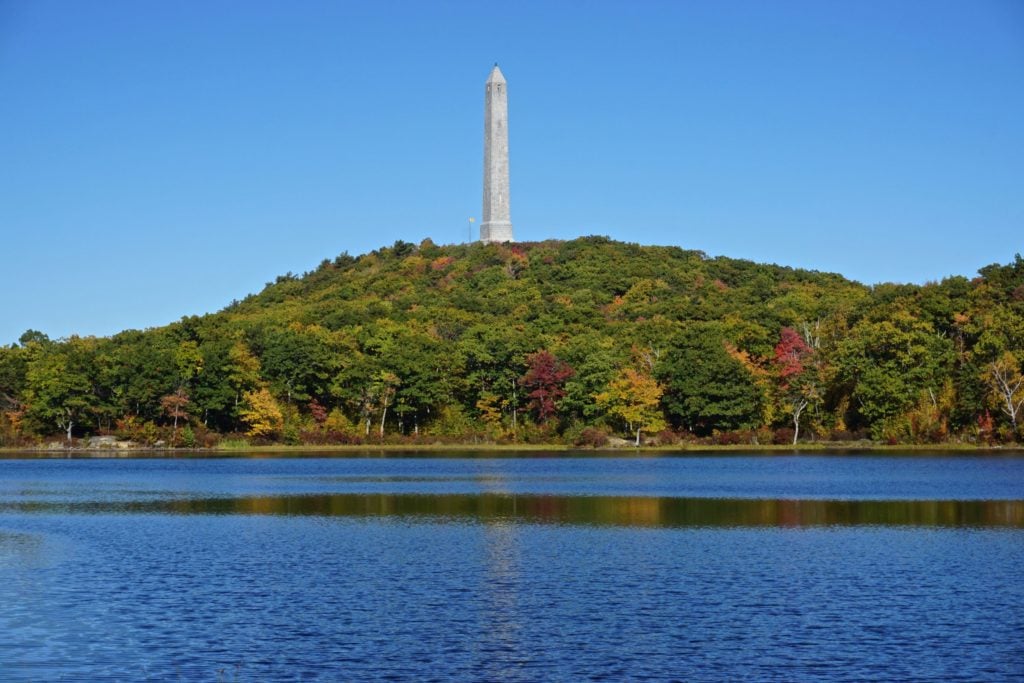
{"x": 623, "y": 449}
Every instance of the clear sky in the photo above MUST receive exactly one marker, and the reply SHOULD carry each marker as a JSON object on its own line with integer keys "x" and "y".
{"x": 159, "y": 159}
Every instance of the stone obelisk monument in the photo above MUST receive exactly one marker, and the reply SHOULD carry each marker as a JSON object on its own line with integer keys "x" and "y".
{"x": 497, "y": 220}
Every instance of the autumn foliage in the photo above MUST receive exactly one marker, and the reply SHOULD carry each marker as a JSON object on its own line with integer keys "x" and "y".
{"x": 790, "y": 354}
{"x": 545, "y": 383}
{"x": 567, "y": 341}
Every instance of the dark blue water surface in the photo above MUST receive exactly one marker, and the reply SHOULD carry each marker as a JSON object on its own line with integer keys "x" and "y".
{"x": 696, "y": 568}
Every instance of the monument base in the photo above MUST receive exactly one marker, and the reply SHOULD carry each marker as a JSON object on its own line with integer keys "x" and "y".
{"x": 496, "y": 232}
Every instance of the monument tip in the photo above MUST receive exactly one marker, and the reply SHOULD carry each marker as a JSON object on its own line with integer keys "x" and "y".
{"x": 496, "y": 75}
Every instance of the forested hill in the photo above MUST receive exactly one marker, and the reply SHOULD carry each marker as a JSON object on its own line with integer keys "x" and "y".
{"x": 545, "y": 341}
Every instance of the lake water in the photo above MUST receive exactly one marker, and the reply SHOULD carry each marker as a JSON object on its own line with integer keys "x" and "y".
{"x": 692, "y": 568}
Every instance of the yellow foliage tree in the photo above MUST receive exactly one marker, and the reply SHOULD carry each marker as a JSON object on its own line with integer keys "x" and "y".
{"x": 10, "y": 426}
{"x": 634, "y": 398}
{"x": 490, "y": 407}
{"x": 243, "y": 369}
{"x": 338, "y": 422}
{"x": 262, "y": 413}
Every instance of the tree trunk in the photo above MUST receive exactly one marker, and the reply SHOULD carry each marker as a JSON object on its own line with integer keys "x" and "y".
{"x": 1008, "y": 391}
{"x": 514, "y": 409}
{"x": 638, "y": 437}
{"x": 797, "y": 410}
{"x": 383, "y": 416}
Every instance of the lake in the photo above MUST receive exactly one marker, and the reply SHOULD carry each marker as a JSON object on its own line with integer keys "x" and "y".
{"x": 513, "y": 568}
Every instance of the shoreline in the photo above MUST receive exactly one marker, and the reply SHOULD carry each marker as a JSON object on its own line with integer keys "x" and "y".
{"x": 463, "y": 450}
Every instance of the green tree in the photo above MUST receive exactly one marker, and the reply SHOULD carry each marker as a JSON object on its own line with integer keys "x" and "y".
{"x": 299, "y": 362}
{"x": 211, "y": 393}
{"x": 142, "y": 369}
{"x": 706, "y": 388}
{"x": 492, "y": 357}
{"x": 33, "y": 336}
{"x": 887, "y": 363}
{"x": 59, "y": 390}
{"x": 596, "y": 358}
{"x": 13, "y": 366}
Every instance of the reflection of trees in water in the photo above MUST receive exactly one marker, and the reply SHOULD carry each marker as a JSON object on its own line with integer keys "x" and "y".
{"x": 586, "y": 510}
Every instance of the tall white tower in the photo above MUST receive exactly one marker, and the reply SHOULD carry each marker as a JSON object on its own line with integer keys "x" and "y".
{"x": 497, "y": 219}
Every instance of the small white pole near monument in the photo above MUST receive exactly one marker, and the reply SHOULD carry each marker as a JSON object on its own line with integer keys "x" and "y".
{"x": 471, "y": 222}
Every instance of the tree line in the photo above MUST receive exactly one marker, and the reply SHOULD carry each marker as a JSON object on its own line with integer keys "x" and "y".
{"x": 552, "y": 341}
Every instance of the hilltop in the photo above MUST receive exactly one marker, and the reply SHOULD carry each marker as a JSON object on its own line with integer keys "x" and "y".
{"x": 544, "y": 341}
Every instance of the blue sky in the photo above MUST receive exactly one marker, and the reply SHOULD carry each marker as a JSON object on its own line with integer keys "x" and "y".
{"x": 159, "y": 159}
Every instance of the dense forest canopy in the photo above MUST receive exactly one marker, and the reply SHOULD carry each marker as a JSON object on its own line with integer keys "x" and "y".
{"x": 546, "y": 341}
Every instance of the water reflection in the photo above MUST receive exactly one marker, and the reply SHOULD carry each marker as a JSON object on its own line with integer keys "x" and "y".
{"x": 629, "y": 511}
{"x": 500, "y": 599}
{"x": 11, "y": 542}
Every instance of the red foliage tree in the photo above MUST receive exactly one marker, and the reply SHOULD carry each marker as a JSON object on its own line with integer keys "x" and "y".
{"x": 791, "y": 354}
{"x": 318, "y": 412}
{"x": 798, "y": 374}
{"x": 544, "y": 380}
